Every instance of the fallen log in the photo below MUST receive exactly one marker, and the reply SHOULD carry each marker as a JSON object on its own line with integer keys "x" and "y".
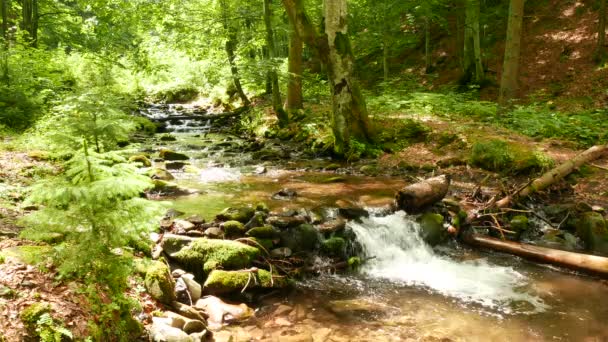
{"x": 415, "y": 197}
{"x": 554, "y": 175}
{"x": 577, "y": 261}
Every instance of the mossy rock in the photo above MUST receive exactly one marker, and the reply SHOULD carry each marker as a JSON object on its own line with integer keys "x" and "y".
{"x": 593, "y": 230}
{"x": 506, "y": 157}
{"x": 263, "y": 207}
{"x": 519, "y": 224}
{"x": 334, "y": 247}
{"x": 431, "y": 229}
{"x": 32, "y": 313}
{"x": 206, "y": 255}
{"x": 303, "y": 238}
{"x": 159, "y": 283}
{"x": 241, "y": 214}
{"x": 265, "y": 243}
{"x": 31, "y": 255}
{"x": 172, "y": 155}
{"x": 141, "y": 159}
{"x": 332, "y": 167}
{"x": 264, "y": 232}
{"x": 167, "y": 137}
{"x": 169, "y": 188}
{"x": 233, "y": 228}
{"x": 222, "y": 282}
{"x": 369, "y": 170}
{"x": 160, "y": 174}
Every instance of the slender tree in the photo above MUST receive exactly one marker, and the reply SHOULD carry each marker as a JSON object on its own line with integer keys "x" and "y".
{"x": 230, "y": 47}
{"x": 601, "y": 32}
{"x": 30, "y": 20}
{"x": 4, "y": 5}
{"x": 473, "y": 67}
{"x": 510, "y": 70}
{"x": 294, "y": 88}
{"x": 274, "y": 79}
{"x": 350, "y": 119}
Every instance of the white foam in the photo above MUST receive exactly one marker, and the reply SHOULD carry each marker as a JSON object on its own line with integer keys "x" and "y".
{"x": 402, "y": 256}
{"x": 219, "y": 175}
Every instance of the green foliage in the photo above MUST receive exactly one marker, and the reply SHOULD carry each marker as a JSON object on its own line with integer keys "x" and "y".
{"x": 49, "y": 330}
{"x": 501, "y": 156}
{"x": 358, "y": 150}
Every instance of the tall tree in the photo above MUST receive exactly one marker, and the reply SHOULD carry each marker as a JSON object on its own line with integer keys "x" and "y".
{"x": 294, "y": 87}
{"x": 510, "y": 70}
{"x": 350, "y": 118}
{"x": 230, "y": 47}
{"x": 4, "y": 5}
{"x": 601, "y": 32}
{"x": 274, "y": 79}
{"x": 30, "y": 20}
{"x": 473, "y": 67}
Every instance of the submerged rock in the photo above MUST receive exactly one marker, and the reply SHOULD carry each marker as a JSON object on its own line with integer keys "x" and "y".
{"x": 221, "y": 282}
{"x": 206, "y": 255}
{"x": 159, "y": 283}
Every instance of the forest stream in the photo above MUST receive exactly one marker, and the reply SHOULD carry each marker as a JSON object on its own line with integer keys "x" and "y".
{"x": 407, "y": 290}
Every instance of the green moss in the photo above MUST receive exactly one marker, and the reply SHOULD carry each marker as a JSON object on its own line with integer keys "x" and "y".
{"x": 502, "y": 156}
{"x": 32, "y": 255}
{"x": 241, "y": 214}
{"x": 266, "y": 243}
{"x": 32, "y": 313}
{"x": 2, "y": 259}
{"x": 301, "y": 238}
{"x": 335, "y": 246}
{"x": 172, "y": 155}
{"x": 206, "y": 255}
{"x": 220, "y": 281}
{"x": 233, "y": 228}
{"x": 263, "y": 207}
{"x": 141, "y": 159}
{"x": 342, "y": 44}
{"x": 159, "y": 283}
{"x": 160, "y": 174}
{"x": 264, "y": 232}
{"x": 593, "y": 230}
{"x": 431, "y": 228}
{"x": 519, "y": 223}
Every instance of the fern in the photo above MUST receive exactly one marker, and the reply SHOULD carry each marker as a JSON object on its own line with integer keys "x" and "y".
{"x": 50, "y": 331}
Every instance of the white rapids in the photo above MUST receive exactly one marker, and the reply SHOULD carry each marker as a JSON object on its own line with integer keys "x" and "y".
{"x": 401, "y": 256}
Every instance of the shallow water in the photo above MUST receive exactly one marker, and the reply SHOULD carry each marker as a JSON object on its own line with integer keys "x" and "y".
{"x": 418, "y": 293}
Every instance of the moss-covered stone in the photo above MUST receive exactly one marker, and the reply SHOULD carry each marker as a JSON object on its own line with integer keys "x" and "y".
{"x": 507, "y": 157}
{"x": 431, "y": 228}
{"x": 241, "y": 214}
{"x": 233, "y": 228}
{"x": 206, "y": 255}
{"x": 161, "y": 174}
{"x": 303, "y": 238}
{"x": 141, "y": 159}
{"x": 593, "y": 230}
{"x": 264, "y": 232}
{"x": 263, "y": 207}
{"x": 332, "y": 167}
{"x": 172, "y": 155}
{"x": 221, "y": 282}
{"x": 335, "y": 247}
{"x": 32, "y": 313}
{"x": 519, "y": 224}
{"x": 159, "y": 283}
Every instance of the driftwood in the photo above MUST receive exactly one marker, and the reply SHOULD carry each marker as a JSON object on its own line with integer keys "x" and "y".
{"x": 554, "y": 175}
{"x": 416, "y": 196}
{"x": 577, "y": 261}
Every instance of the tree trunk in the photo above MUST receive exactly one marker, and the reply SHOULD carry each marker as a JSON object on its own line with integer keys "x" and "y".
{"x": 417, "y": 196}
{"x": 427, "y": 45}
{"x": 583, "y": 262}
{"x": 556, "y": 174}
{"x": 5, "y": 44}
{"x": 510, "y": 70}
{"x": 30, "y": 20}
{"x": 294, "y": 87}
{"x": 350, "y": 118}
{"x": 473, "y": 67}
{"x": 601, "y": 32}
{"x": 234, "y": 70}
{"x": 460, "y": 19}
{"x": 274, "y": 79}
{"x": 385, "y": 57}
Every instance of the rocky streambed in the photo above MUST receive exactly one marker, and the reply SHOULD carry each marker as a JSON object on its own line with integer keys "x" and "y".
{"x": 266, "y": 242}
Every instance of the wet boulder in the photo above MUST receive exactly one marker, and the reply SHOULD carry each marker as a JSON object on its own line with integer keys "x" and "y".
{"x": 141, "y": 160}
{"x": 264, "y": 232}
{"x": 222, "y": 282}
{"x": 334, "y": 247}
{"x": 172, "y": 155}
{"x": 161, "y": 174}
{"x": 432, "y": 230}
{"x": 593, "y": 230}
{"x": 518, "y": 224}
{"x": 241, "y": 214}
{"x": 220, "y": 312}
{"x": 303, "y": 238}
{"x": 159, "y": 283}
{"x": 205, "y": 255}
{"x": 284, "y": 222}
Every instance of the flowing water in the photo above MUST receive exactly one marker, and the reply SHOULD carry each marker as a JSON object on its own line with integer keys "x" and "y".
{"x": 408, "y": 290}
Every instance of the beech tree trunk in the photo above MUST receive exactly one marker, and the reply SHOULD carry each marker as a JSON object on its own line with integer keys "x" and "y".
{"x": 294, "y": 87}
{"x": 601, "y": 32}
{"x": 510, "y": 70}
{"x": 583, "y": 262}
{"x": 473, "y": 67}
{"x": 277, "y": 104}
{"x": 350, "y": 118}
{"x": 556, "y": 174}
{"x": 417, "y": 196}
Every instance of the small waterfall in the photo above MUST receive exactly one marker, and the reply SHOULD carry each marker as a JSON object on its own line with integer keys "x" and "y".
{"x": 401, "y": 256}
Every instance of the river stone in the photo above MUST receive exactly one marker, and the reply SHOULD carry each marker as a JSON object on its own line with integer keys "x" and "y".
{"x": 172, "y": 155}
{"x": 431, "y": 229}
{"x": 159, "y": 283}
{"x": 223, "y": 282}
{"x": 592, "y": 229}
{"x": 518, "y": 224}
{"x": 265, "y": 232}
{"x": 199, "y": 336}
{"x": 233, "y": 228}
{"x": 332, "y": 226}
{"x": 195, "y": 219}
{"x": 172, "y": 243}
{"x": 302, "y": 238}
{"x": 257, "y": 220}
{"x": 282, "y": 252}
{"x": 183, "y": 225}
{"x": 220, "y": 312}
{"x": 181, "y": 291}
{"x": 214, "y": 233}
{"x": 204, "y": 255}
{"x": 241, "y": 214}
{"x": 284, "y": 222}
{"x": 161, "y": 174}
{"x": 195, "y": 289}
{"x": 175, "y": 165}
{"x": 141, "y": 159}
{"x": 334, "y": 247}
{"x": 160, "y": 332}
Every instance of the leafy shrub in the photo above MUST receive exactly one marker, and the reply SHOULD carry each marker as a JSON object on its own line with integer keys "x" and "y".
{"x": 176, "y": 94}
